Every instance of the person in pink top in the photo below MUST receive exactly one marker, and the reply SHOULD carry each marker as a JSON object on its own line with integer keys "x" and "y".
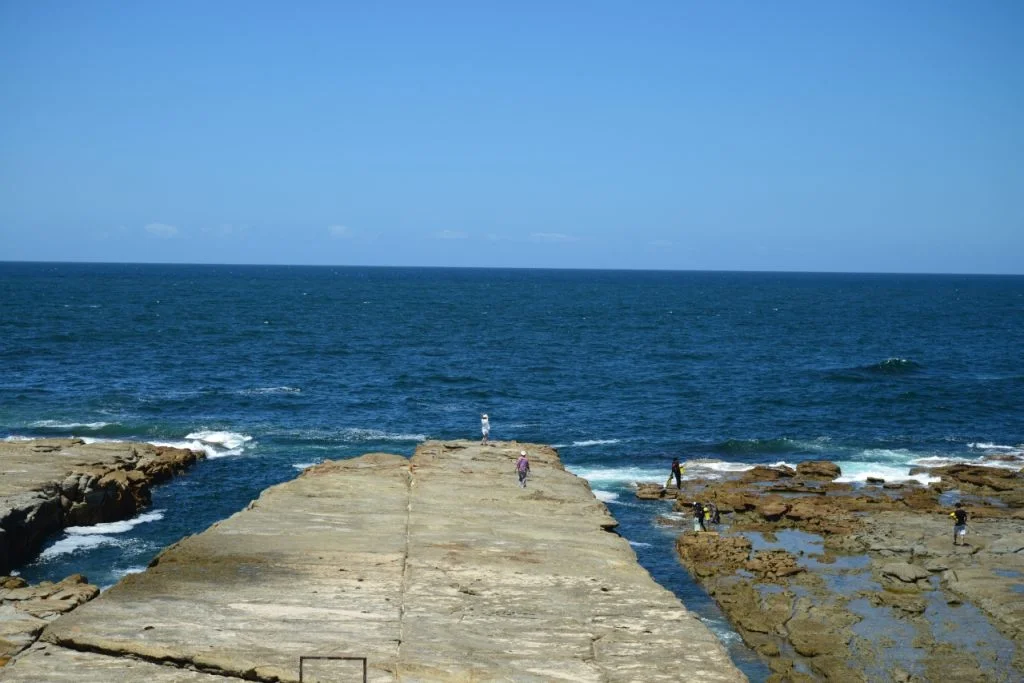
{"x": 522, "y": 468}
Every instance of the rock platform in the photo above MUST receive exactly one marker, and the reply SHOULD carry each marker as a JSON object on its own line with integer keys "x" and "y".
{"x": 49, "y": 484}
{"x": 434, "y": 568}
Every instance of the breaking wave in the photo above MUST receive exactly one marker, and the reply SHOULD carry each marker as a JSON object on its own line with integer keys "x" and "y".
{"x": 77, "y": 538}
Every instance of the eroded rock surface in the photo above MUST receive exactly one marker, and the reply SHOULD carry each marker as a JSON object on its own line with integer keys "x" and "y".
{"x": 434, "y": 568}
{"x": 25, "y": 610}
{"x": 834, "y": 582}
{"x": 49, "y": 484}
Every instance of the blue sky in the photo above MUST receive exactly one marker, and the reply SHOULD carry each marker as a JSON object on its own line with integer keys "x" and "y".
{"x": 822, "y": 136}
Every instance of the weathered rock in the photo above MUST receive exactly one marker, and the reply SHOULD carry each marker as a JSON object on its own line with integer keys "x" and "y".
{"x": 818, "y": 469}
{"x": 25, "y": 610}
{"x": 434, "y": 568}
{"x": 707, "y": 554}
{"x": 765, "y": 473}
{"x": 771, "y": 565}
{"x": 50, "y": 484}
{"x": 648, "y": 491}
{"x": 773, "y": 508}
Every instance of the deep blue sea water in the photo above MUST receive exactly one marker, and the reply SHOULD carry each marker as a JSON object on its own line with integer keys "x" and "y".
{"x": 273, "y": 368}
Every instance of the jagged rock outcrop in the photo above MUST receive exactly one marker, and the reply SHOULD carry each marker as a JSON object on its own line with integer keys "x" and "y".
{"x": 49, "y": 484}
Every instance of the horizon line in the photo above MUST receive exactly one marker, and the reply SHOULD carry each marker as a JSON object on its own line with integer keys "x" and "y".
{"x": 549, "y": 268}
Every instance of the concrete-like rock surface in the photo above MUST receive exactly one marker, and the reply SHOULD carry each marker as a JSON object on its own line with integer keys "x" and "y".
{"x": 49, "y": 484}
{"x": 434, "y": 568}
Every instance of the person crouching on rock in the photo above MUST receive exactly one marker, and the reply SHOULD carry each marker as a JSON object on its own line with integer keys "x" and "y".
{"x": 698, "y": 517}
{"x": 522, "y": 468}
{"x": 959, "y": 516}
{"x": 711, "y": 515}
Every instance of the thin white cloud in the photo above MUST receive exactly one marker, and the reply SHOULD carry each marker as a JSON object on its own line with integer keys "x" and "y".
{"x": 161, "y": 230}
{"x": 552, "y": 237}
{"x": 339, "y": 231}
{"x": 450, "y": 235}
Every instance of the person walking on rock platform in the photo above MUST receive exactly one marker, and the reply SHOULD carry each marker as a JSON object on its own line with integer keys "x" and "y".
{"x": 485, "y": 428}
{"x": 959, "y": 516}
{"x": 522, "y": 468}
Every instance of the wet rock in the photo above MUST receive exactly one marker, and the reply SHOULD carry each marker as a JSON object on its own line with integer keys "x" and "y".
{"x": 906, "y": 603}
{"x": 818, "y": 469}
{"x": 772, "y": 565}
{"x": 772, "y": 508}
{"x": 765, "y": 473}
{"x": 648, "y": 491}
{"x": 707, "y": 554}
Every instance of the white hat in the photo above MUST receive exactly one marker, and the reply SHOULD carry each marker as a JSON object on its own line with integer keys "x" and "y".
{"x": 522, "y": 452}
{"x": 484, "y": 415}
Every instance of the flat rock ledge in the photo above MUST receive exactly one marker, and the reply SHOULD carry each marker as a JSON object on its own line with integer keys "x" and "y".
{"x": 434, "y": 568}
{"x": 49, "y": 484}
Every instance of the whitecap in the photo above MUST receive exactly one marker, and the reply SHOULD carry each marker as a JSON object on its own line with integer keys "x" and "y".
{"x": 229, "y": 440}
{"x": 17, "y": 439}
{"x": 858, "y": 472}
{"x": 718, "y": 465}
{"x": 75, "y": 543}
{"x": 57, "y": 424}
{"x": 115, "y": 527}
{"x": 620, "y": 475}
{"x": 304, "y": 465}
{"x": 588, "y": 442}
{"x": 639, "y": 544}
{"x": 984, "y": 446}
{"x": 359, "y": 434}
{"x": 605, "y": 496}
{"x": 259, "y": 391}
{"x": 783, "y": 463}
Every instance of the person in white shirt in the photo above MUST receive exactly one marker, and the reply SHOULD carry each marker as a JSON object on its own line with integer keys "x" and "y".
{"x": 485, "y": 428}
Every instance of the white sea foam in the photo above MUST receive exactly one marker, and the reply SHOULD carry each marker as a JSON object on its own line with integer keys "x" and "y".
{"x": 605, "y": 496}
{"x": 72, "y": 544}
{"x": 783, "y": 463}
{"x": 57, "y": 424}
{"x": 359, "y": 434}
{"x": 229, "y": 440}
{"x": 640, "y": 544}
{"x": 619, "y": 475}
{"x": 115, "y": 527}
{"x": 15, "y": 438}
{"x": 585, "y": 443}
{"x": 718, "y": 465}
{"x": 211, "y": 451}
{"x": 984, "y": 446}
{"x": 304, "y": 465}
{"x": 860, "y": 471}
{"x": 259, "y": 391}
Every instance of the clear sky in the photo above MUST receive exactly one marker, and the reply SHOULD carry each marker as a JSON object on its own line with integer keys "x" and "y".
{"x": 845, "y": 136}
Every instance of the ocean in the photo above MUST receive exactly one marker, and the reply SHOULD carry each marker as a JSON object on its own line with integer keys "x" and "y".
{"x": 270, "y": 369}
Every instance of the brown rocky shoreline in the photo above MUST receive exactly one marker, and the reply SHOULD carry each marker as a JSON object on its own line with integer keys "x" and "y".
{"x": 833, "y": 581}
{"x": 49, "y": 484}
{"x": 438, "y": 567}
